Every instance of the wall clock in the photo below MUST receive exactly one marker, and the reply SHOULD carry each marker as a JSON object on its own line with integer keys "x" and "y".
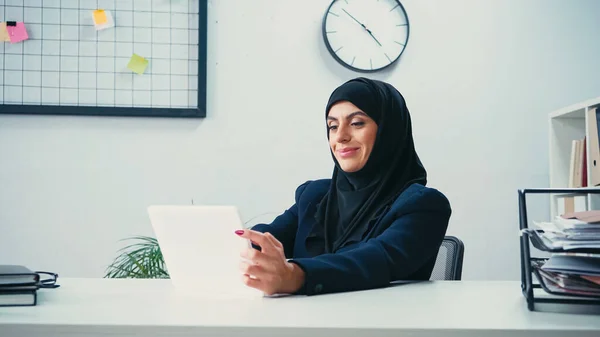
{"x": 366, "y": 35}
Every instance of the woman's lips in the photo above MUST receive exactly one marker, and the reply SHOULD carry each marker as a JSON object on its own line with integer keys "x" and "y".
{"x": 348, "y": 152}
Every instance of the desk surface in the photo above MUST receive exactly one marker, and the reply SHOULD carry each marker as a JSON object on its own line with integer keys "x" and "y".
{"x": 151, "y": 308}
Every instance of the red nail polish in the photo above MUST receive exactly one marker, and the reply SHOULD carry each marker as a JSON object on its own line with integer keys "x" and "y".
{"x": 239, "y": 232}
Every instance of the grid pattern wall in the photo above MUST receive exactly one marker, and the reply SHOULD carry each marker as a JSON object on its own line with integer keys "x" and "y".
{"x": 66, "y": 61}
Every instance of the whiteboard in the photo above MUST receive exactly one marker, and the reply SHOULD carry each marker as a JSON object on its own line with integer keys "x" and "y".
{"x": 68, "y": 66}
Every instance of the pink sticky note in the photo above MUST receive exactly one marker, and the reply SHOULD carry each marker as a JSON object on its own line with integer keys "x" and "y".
{"x": 17, "y": 33}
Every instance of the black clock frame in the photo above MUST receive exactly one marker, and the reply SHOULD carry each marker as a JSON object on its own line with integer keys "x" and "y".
{"x": 334, "y": 55}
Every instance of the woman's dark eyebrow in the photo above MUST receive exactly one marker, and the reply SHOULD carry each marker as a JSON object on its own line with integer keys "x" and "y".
{"x": 356, "y": 114}
{"x": 349, "y": 116}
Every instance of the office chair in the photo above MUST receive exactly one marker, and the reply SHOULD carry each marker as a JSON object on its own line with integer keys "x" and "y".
{"x": 448, "y": 264}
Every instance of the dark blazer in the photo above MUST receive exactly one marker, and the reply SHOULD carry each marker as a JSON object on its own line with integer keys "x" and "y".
{"x": 401, "y": 244}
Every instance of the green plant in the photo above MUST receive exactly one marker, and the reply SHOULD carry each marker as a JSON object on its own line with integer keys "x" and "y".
{"x": 141, "y": 259}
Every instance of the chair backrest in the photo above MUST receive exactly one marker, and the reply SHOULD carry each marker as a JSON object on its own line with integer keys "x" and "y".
{"x": 448, "y": 264}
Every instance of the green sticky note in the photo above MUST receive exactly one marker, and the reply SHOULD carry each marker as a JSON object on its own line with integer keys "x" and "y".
{"x": 137, "y": 64}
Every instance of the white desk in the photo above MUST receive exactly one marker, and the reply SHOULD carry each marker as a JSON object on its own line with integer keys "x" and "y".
{"x": 108, "y": 307}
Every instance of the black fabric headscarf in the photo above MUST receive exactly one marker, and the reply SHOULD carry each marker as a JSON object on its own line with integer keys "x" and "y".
{"x": 356, "y": 198}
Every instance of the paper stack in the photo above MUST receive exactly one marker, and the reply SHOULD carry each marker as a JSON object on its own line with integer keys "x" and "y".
{"x": 574, "y": 267}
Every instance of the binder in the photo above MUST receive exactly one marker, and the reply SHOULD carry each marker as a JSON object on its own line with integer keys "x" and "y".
{"x": 593, "y": 146}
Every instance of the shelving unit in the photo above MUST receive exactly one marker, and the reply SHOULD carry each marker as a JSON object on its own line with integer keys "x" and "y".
{"x": 565, "y": 125}
{"x": 568, "y": 124}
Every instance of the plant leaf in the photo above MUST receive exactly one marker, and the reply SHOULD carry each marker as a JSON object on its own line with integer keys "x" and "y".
{"x": 140, "y": 259}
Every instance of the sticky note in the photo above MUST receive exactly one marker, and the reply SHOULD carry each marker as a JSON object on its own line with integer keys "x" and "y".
{"x": 17, "y": 33}
{"x": 137, "y": 64}
{"x": 4, "y": 33}
{"x": 102, "y": 19}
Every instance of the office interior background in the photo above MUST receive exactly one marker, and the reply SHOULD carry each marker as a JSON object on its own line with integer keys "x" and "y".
{"x": 479, "y": 78}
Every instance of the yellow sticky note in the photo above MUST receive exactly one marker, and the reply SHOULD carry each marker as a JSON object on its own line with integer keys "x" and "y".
{"x": 137, "y": 64}
{"x": 4, "y": 37}
{"x": 102, "y": 19}
{"x": 99, "y": 17}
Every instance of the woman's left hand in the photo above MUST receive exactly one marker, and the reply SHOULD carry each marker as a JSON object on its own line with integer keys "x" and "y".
{"x": 267, "y": 269}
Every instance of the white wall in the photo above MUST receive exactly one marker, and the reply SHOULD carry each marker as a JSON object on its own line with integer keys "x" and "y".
{"x": 479, "y": 78}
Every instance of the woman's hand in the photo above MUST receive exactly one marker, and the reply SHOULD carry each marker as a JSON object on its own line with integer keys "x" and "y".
{"x": 268, "y": 269}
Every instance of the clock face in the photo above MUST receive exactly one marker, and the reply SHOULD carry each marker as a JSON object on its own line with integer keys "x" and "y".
{"x": 366, "y": 35}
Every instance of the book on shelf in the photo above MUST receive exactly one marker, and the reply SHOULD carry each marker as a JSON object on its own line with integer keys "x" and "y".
{"x": 577, "y": 178}
{"x": 593, "y": 118}
{"x": 584, "y": 163}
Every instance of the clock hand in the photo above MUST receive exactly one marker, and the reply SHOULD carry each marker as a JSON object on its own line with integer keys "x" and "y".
{"x": 360, "y": 23}
{"x": 353, "y": 18}
{"x": 374, "y": 38}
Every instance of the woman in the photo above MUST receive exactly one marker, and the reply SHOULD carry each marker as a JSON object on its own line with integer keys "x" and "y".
{"x": 372, "y": 223}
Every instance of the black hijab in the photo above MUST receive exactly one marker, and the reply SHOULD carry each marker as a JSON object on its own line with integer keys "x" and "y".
{"x": 354, "y": 199}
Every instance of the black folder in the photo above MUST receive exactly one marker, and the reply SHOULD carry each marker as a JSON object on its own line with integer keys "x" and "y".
{"x": 18, "y": 286}
{"x": 16, "y": 275}
{"x": 574, "y": 264}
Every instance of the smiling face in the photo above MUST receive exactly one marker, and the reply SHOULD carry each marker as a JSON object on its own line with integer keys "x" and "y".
{"x": 352, "y": 135}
